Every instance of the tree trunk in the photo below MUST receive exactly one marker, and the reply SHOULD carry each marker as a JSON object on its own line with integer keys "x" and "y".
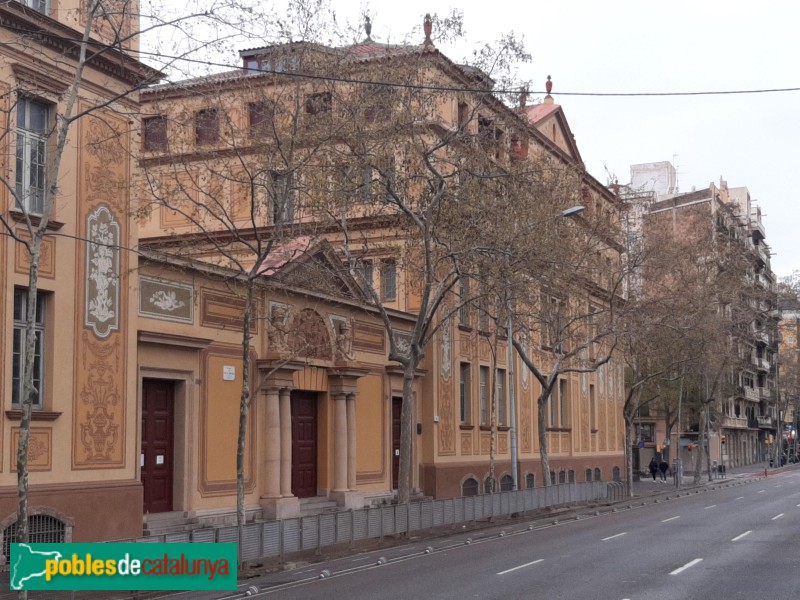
{"x": 541, "y": 406}
{"x": 244, "y": 406}
{"x": 404, "y": 478}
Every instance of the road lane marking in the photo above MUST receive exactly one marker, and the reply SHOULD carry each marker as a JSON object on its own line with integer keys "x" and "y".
{"x": 611, "y": 537}
{"x": 776, "y": 517}
{"x": 691, "y": 563}
{"x": 740, "y": 536}
{"x": 761, "y": 491}
{"x": 671, "y": 519}
{"x": 740, "y": 498}
{"x": 712, "y": 506}
{"x": 521, "y": 566}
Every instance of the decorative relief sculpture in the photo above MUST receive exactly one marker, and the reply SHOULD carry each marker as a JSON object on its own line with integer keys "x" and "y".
{"x": 167, "y": 301}
{"x": 278, "y": 320}
{"x": 344, "y": 338}
{"x": 99, "y": 429}
{"x": 102, "y": 272}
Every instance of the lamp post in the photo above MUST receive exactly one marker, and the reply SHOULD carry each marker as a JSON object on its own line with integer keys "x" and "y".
{"x": 512, "y": 405}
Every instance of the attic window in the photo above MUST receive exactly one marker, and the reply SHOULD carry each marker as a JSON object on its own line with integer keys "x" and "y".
{"x": 206, "y": 126}
{"x": 155, "y": 133}
{"x": 260, "y": 115}
{"x": 463, "y": 115}
{"x": 318, "y": 103}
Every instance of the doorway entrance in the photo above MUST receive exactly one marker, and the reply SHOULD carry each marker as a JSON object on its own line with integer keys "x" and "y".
{"x": 156, "y": 461}
{"x": 304, "y": 444}
{"x": 397, "y": 409}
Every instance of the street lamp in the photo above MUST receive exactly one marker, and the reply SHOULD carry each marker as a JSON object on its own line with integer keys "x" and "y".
{"x": 512, "y": 405}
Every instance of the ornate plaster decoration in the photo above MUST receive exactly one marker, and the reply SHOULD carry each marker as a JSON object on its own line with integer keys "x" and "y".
{"x": 102, "y": 272}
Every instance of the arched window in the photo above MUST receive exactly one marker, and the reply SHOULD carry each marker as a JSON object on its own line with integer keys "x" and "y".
{"x": 43, "y": 529}
{"x": 588, "y": 474}
{"x": 488, "y": 485}
{"x": 552, "y": 477}
{"x": 598, "y": 476}
{"x": 469, "y": 487}
{"x": 571, "y": 476}
{"x": 562, "y": 476}
{"x": 506, "y": 483}
{"x": 530, "y": 481}
{"x": 615, "y": 474}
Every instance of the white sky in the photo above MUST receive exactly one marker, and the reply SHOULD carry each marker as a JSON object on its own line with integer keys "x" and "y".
{"x": 647, "y": 46}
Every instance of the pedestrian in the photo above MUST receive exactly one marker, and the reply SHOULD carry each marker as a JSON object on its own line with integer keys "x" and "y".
{"x": 662, "y": 467}
{"x": 653, "y": 467}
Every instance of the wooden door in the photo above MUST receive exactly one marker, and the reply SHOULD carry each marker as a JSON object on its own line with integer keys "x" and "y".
{"x": 158, "y": 413}
{"x": 397, "y": 408}
{"x": 304, "y": 444}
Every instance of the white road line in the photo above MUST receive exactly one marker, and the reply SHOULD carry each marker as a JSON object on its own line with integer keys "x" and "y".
{"x": 742, "y": 498}
{"x": 712, "y": 506}
{"x": 761, "y": 491}
{"x": 671, "y": 519}
{"x": 740, "y": 536}
{"x": 691, "y": 563}
{"x": 776, "y": 517}
{"x": 611, "y": 537}
{"x": 779, "y": 485}
{"x": 521, "y": 566}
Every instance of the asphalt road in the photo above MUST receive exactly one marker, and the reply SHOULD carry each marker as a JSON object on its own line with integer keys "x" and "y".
{"x": 740, "y": 541}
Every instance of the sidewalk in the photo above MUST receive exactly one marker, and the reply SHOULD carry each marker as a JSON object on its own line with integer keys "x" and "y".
{"x": 648, "y": 487}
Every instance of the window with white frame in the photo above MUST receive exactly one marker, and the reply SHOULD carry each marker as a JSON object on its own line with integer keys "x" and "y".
{"x": 37, "y": 5}
{"x": 368, "y": 273}
{"x": 18, "y": 353}
{"x": 33, "y": 124}
{"x": 563, "y": 402}
{"x": 464, "y": 392}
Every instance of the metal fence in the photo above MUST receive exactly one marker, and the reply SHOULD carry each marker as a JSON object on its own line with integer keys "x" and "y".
{"x": 270, "y": 539}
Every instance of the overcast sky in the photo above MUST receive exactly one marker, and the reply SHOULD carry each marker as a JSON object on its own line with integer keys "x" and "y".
{"x": 636, "y": 46}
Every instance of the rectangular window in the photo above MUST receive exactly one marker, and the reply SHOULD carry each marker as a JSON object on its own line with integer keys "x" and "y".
{"x": 368, "y": 273}
{"x": 464, "y": 391}
{"x": 18, "y": 354}
{"x": 463, "y": 293}
{"x": 563, "y": 402}
{"x": 463, "y": 115}
{"x": 154, "y": 132}
{"x": 37, "y": 5}
{"x": 206, "y": 126}
{"x": 260, "y": 118}
{"x": 502, "y": 414}
{"x": 282, "y": 194}
{"x": 389, "y": 279}
{"x": 484, "y": 381}
{"x": 33, "y": 124}
{"x": 592, "y": 408}
{"x": 551, "y": 408}
{"x": 318, "y": 103}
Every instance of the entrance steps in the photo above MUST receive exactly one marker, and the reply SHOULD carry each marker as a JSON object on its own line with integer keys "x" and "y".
{"x": 168, "y": 522}
{"x": 317, "y": 505}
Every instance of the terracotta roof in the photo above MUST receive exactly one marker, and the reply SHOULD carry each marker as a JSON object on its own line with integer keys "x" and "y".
{"x": 283, "y": 254}
{"x": 370, "y": 50}
{"x": 537, "y": 112}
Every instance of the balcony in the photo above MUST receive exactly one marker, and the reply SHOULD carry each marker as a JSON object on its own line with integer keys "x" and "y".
{"x": 765, "y": 422}
{"x": 758, "y": 229}
{"x": 761, "y": 336}
{"x": 751, "y": 394}
{"x": 765, "y": 393}
{"x": 763, "y": 364}
{"x": 752, "y": 423}
{"x": 734, "y": 422}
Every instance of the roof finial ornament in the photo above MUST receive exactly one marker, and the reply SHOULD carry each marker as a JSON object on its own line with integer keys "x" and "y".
{"x": 523, "y": 97}
{"x": 368, "y": 28}
{"x": 428, "y": 28}
{"x": 549, "y": 87}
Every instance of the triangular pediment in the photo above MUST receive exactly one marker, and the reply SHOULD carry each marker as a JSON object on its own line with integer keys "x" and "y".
{"x": 550, "y": 120}
{"x": 313, "y": 266}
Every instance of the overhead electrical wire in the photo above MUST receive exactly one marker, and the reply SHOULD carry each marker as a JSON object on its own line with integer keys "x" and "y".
{"x": 433, "y": 88}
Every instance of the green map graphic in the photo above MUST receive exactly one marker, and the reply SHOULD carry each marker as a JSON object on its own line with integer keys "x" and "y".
{"x": 27, "y": 563}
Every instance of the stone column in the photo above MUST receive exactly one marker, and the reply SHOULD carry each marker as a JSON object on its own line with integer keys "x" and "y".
{"x": 286, "y": 442}
{"x": 351, "y": 442}
{"x": 339, "y": 443}
{"x": 272, "y": 446}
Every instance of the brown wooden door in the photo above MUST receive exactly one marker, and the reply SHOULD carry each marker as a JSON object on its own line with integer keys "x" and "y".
{"x": 304, "y": 444}
{"x": 397, "y": 407}
{"x": 158, "y": 411}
